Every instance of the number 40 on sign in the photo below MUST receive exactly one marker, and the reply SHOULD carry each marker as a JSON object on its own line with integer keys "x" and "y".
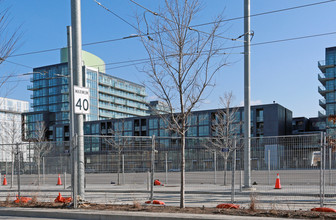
{"x": 81, "y": 100}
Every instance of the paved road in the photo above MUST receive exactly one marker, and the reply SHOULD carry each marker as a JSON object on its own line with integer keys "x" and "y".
{"x": 288, "y": 177}
{"x": 117, "y": 215}
{"x": 300, "y": 188}
{"x": 28, "y": 218}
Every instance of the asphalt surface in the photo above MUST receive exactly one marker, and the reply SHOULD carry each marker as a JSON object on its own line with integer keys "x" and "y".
{"x": 300, "y": 188}
{"x": 36, "y": 213}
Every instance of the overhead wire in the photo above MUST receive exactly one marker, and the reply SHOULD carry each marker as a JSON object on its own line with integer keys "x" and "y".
{"x": 189, "y": 27}
{"x": 19, "y": 64}
{"x": 232, "y": 47}
{"x": 124, "y": 20}
{"x": 269, "y": 12}
{"x": 231, "y": 19}
{"x": 240, "y": 46}
{"x": 128, "y": 37}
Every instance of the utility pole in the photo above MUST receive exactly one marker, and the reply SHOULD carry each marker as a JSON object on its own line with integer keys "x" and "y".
{"x": 73, "y": 152}
{"x": 78, "y": 81}
{"x": 247, "y": 107}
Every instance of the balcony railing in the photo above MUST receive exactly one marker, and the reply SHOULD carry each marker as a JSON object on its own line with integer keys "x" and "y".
{"x": 322, "y": 103}
{"x": 323, "y": 64}
{"x": 32, "y": 87}
{"x": 322, "y": 90}
{"x": 322, "y": 114}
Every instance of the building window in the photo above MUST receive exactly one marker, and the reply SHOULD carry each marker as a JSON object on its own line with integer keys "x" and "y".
{"x": 87, "y": 129}
{"x": 203, "y": 130}
{"x": 192, "y": 120}
{"x": 260, "y": 115}
{"x": 153, "y": 132}
{"x": 192, "y": 132}
{"x": 153, "y": 123}
{"x": 203, "y": 119}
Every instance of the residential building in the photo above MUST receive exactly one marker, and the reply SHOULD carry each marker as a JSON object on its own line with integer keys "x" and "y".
{"x": 157, "y": 107}
{"x": 110, "y": 97}
{"x": 303, "y": 125}
{"x": 266, "y": 120}
{"x": 328, "y": 87}
{"x": 11, "y": 130}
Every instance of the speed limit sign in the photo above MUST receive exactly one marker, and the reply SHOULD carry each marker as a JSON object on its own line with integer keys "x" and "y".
{"x": 81, "y": 100}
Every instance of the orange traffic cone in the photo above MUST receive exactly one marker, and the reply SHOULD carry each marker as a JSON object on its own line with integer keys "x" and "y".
{"x": 4, "y": 181}
{"x": 59, "y": 182}
{"x": 277, "y": 182}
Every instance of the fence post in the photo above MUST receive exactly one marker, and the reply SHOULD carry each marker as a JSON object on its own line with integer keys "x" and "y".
{"x": 166, "y": 158}
{"x": 269, "y": 165}
{"x": 148, "y": 180}
{"x": 233, "y": 172}
{"x": 324, "y": 164}
{"x": 30, "y": 160}
{"x": 43, "y": 171}
{"x": 330, "y": 180}
{"x": 321, "y": 170}
{"x": 18, "y": 169}
{"x": 152, "y": 168}
{"x": 64, "y": 179}
{"x": 215, "y": 167}
{"x": 241, "y": 178}
{"x": 123, "y": 168}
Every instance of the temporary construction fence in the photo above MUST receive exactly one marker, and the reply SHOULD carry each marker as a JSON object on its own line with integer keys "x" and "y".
{"x": 123, "y": 169}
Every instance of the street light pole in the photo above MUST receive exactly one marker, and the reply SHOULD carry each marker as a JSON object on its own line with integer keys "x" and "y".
{"x": 78, "y": 81}
{"x": 247, "y": 107}
{"x": 73, "y": 151}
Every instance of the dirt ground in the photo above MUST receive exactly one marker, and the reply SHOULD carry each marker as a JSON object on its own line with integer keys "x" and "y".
{"x": 138, "y": 207}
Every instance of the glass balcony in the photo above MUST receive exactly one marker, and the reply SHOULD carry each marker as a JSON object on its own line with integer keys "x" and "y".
{"x": 121, "y": 109}
{"x": 322, "y": 103}
{"x": 324, "y": 64}
{"x": 322, "y": 114}
{"x": 32, "y": 87}
{"x": 124, "y": 95}
{"x": 322, "y": 78}
{"x": 323, "y": 91}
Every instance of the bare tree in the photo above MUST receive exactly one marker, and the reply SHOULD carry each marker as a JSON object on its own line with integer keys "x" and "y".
{"x": 182, "y": 64}
{"x": 11, "y": 135}
{"x": 8, "y": 41}
{"x": 41, "y": 147}
{"x": 226, "y": 126}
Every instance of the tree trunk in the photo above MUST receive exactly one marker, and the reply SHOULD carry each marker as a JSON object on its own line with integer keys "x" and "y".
{"x": 225, "y": 170}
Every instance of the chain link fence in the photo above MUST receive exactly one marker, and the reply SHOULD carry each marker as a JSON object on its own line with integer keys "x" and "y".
{"x": 122, "y": 170}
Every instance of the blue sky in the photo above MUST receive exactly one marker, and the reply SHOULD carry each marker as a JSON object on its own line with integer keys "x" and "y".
{"x": 284, "y": 72}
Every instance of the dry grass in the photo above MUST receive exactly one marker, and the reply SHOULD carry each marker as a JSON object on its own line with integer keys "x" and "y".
{"x": 7, "y": 199}
{"x": 34, "y": 200}
{"x": 137, "y": 205}
{"x": 253, "y": 202}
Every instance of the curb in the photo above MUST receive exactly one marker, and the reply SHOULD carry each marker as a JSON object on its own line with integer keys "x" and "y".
{"x": 116, "y": 215}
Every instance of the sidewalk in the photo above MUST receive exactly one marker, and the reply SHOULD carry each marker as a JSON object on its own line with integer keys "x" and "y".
{"x": 116, "y": 215}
